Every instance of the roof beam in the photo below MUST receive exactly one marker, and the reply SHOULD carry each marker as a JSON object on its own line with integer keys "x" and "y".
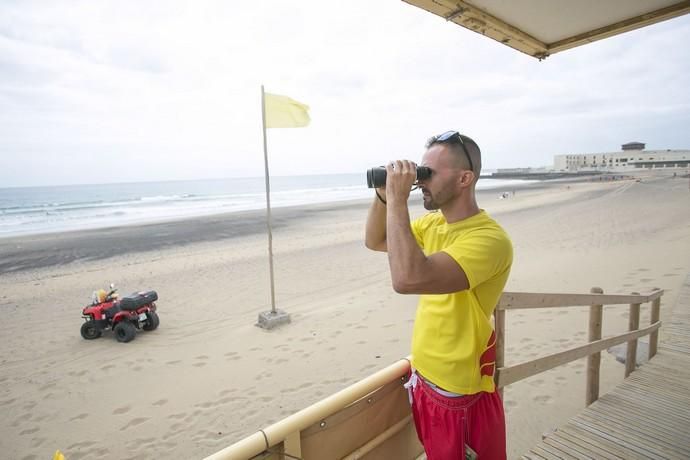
{"x": 626, "y": 25}
{"x": 469, "y": 16}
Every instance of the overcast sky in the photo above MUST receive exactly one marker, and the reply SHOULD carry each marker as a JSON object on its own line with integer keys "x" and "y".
{"x": 117, "y": 91}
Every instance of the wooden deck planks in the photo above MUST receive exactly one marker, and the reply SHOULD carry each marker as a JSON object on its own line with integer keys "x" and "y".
{"x": 647, "y": 416}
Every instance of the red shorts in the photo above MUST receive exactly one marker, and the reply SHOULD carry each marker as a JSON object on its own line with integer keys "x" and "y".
{"x": 445, "y": 424}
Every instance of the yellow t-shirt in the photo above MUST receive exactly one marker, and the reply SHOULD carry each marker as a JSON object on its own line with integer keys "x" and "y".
{"x": 453, "y": 341}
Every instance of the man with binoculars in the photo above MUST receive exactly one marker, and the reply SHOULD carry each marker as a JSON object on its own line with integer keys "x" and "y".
{"x": 459, "y": 260}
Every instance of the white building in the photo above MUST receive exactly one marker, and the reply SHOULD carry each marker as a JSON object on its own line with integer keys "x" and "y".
{"x": 633, "y": 156}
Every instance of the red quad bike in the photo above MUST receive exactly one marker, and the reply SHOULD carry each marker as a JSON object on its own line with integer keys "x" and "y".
{"x": 124, "y": 316}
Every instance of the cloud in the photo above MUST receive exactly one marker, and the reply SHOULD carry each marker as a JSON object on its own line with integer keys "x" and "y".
{"x": 170, "y": 90}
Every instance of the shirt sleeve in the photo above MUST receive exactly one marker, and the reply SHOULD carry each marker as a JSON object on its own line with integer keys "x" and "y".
{"x": 482, "y": 254}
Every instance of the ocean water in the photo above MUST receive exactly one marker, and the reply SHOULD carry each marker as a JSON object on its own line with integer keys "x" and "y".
{"x": 33, "y": 210}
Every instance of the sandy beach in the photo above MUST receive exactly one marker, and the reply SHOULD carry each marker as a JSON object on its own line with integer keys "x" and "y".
{"x": 208, "y": 376}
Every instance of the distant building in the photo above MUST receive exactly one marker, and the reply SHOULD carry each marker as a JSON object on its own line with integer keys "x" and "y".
{"x": 632, "y": 157}
{"x": 633, "y": 146}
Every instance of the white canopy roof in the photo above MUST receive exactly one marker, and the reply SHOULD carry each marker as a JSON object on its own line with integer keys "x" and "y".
{"x": 544, "y": 27}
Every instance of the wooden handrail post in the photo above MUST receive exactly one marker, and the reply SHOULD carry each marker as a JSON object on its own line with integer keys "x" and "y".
{"x": 500, "y": 328}
{"x": 594, "y": 360}
{"x": 654, "y": 336}
{"x": 633, "y": 324}
{"x": 292, "y": 444}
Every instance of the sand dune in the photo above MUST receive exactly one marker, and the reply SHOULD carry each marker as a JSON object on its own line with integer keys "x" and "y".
{"x": 207, "y": 376}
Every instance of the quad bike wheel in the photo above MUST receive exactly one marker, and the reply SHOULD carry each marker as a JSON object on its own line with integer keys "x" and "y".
{"x": 89, "y": 330}
{"x": 124, "y": 331}
{"x": 152, "y": 321}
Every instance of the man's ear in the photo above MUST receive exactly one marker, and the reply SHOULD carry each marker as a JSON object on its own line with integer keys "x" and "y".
{"x": 466, "y": 178}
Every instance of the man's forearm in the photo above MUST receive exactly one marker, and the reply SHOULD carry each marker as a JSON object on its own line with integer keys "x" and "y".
{"x": 405, "y": 257}
{"x": 375, "y": 232}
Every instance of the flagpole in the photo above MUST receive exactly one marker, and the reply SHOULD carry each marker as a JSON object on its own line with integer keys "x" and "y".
{"x": 268, "y": 203}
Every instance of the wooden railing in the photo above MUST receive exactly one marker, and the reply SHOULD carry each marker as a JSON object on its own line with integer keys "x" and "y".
{"x": 596, "y": 300}
{"x": 381, "y": 397}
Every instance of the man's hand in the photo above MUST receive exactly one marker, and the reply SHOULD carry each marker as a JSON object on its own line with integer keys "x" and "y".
{"x": 400, "y": 176}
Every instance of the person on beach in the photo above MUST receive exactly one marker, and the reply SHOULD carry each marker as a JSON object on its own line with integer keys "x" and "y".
{"x": 459, "y": 260}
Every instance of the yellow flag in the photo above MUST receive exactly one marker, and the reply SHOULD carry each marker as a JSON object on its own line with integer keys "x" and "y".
{"x": 283, "y": 112}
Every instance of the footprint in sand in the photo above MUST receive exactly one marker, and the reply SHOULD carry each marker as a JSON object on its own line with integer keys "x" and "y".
{"x": 226, "y": 400}
{"x": 199, "y": 364}
{"x": 79, "y": 417}
{"x": 160, "y": 402}
{"x": 226, "y": 392}
{"x": 107, "y": 366}
{"x": 542, "y": 399}
{"x": 81, "y": 445}
{"x": 201, "y": 357}
{"x": 21, "y": 419}
{"x": 28, "y": 431}
{"x": 511, "y": 404}
{"x": 134, "y": 422}
{"x": 122, "y": 410}
{"x": 174, "y": 362}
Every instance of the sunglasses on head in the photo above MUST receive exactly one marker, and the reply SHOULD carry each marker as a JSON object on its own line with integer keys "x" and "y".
{"x": 452, "y": 137}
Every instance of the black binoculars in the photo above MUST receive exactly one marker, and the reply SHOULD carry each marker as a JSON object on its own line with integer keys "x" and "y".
{"x": 376, "y": 177}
